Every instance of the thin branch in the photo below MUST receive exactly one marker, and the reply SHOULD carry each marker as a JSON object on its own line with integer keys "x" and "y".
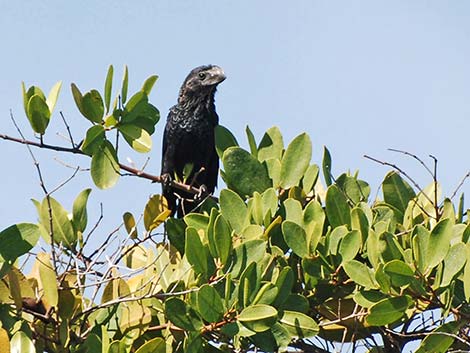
{"x": 134, "y": 171}
{"x": 398, "y": 169}
{"x": 68, "y": 129}
{"x": 414, "y": 157}
{"x": 460, "y": 185}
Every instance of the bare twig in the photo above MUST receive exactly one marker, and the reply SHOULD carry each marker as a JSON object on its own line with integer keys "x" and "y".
{"x": 68, "y": 129}
{"x": 466, "y": 176}
{"x": 398, "y": 169}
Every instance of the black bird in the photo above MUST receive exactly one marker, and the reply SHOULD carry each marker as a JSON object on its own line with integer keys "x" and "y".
{"x": 189, "y": 140}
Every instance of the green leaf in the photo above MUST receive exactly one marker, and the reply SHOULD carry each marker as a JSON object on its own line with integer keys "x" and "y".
{"x": 295, "y": 237}
{"x": 78, "y": 98}
{"x": 299, "y": 325}
{"x": 274, "y": 171}
{"x": 367, "y": 298}
{"x": 15, "y": 241}
{"x": 105, "y": 166}
{"x": 350, "y": 245}
{"x": 271, "y": 145}
{"x": 80, "y": 217}
{"x": 258, "y": 317}
{"x": 295, "y": 161}
{"x": 234, "y": 210}
{"x": 251, "y": 142}
{"x": 466, "y": 274}
{"x": 222, "y": 238}
{"x": 310, "y": 178}
{"x": 337, "y": 208}
{"x": 360, "y": 274}
{"x": 94, "y": 139}
{"x": 397, "y": 193}
{"x": 439, "y": 242}
{"x": 195, "y": 252}
{"x": 48, "y": 279}
{"x": 155, "y": 345}
{"x": 33, "y": 90}
{"x": 53, "y": 95}
{"x": 360, "y": 222}
{"x": 125, "y": 84}
{"x": 156, "y": 212}
{"x": 326, "y": 166}
{"x": 313, "y": 220}
{"x": 148, "y": 84}
{"x": 284, "y": 284}
{"x": 92, "y": 106}
{"x": 136, "y": 137}
{"x": 244, "y": 173}
{"x": 440, "y": 343}
{"x": 454, "y": 261}
{"x": 61, "y": 225}
{"x": 267, "y": 294}
{"x": 388, "y": 310}
{"x": 21, "y": 343}
{"x": 223, "y": 139}
{"x": 108, "y": 85}
{"x": 210, "y": 304}
{"x": 400, "y": 273}
{"x": 38, "y": 114}
{"x": 180, "y": 315}
{"x": 130, "y": 224}
{"x": 356, "y": 190}
{"x": 420, "y": 247}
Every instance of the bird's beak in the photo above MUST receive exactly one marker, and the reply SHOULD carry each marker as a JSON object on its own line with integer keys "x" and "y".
{"x": 217, "y": 75}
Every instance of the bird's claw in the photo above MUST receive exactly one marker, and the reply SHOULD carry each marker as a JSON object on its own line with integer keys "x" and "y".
{"x": 203, "y": 191}
{"x": 166, "y": 180}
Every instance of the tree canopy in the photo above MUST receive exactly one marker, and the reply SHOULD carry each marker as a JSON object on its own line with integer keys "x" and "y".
{"x": 289, "y": 256}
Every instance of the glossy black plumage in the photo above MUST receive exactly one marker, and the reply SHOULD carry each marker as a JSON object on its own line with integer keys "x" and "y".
{"x": 189, "y": 136}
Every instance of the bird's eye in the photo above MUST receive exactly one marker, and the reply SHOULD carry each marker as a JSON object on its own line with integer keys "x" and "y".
{"x": 202, "y": 75}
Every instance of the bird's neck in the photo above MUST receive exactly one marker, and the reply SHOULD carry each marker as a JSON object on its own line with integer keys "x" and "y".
{"x": 195, "y": 102}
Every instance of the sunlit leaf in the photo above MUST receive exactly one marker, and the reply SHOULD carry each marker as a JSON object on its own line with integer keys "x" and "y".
{"x": 337, "y": 208}
{"x": 258, "y": 317}
{"x": 156, "y": 212}
{"x": 125, "y": 84}
{"x": 48, "y": 279}
{"x": 105, "y": 166}
{"x": 80, "y": 217}
{"x": 38, "y": 114}
{"x": 295, "y": 237}
{"x": 360, "y": 274}
{"x": 108, "y": 85}
{"x": 94, "y": 139}
{"x": 53, "y": 95}
{"x": 148, "y": 84}
{"x": 92, "y": 105}
{"x": 244, "y": 173}
{"x": 271, "y": 145}
{"x": 299, "y": 325}
{"x": 233, "y": 209}
{"x": 62, "y": 229}
{"x": 136, "y": 137}
{"x": 388, "y": 310}
{"x": 295, "y": 161}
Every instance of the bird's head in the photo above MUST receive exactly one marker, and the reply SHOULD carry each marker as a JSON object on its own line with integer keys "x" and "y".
{"x": 202, "y": 81}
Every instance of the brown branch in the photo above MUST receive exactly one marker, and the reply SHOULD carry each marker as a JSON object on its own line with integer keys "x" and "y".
{"x": 139, "y": 173}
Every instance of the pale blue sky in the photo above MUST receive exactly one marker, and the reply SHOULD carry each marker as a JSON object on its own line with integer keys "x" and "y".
{"x": 358, "y": 76}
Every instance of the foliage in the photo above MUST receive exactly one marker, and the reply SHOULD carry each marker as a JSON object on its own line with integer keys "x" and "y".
{"x": 278, "y": 262}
